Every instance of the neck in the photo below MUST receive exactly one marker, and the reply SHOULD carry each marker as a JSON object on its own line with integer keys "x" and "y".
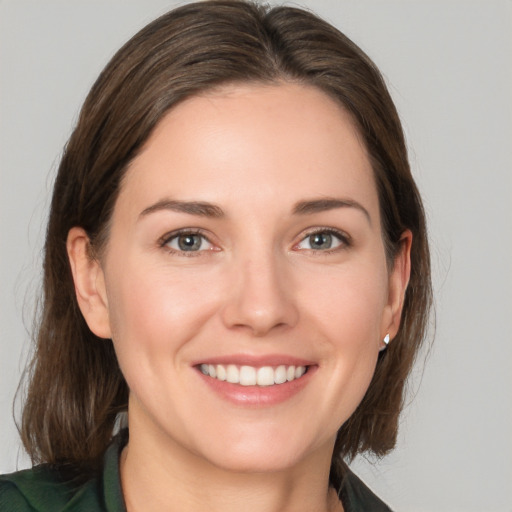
{"x": 158, "y": 474}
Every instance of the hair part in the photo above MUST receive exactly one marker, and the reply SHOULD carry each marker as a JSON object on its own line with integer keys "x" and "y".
{"x": 76, "y": 387}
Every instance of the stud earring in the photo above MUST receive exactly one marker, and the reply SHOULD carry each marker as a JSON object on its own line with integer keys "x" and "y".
{"x": 386, "y": 342}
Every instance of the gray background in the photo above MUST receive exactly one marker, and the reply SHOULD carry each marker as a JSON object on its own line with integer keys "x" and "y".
{"x": 448, "y": 64}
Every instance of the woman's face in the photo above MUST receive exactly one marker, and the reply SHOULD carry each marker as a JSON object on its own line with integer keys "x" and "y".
{"x": 246, "y": 249}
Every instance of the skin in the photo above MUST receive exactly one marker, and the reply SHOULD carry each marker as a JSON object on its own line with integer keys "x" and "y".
{"x": 256, "y": 287}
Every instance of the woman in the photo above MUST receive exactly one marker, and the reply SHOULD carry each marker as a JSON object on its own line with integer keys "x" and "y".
{"x": 234, "y": 240}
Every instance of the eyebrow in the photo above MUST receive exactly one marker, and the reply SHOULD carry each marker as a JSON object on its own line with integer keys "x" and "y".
{"x": 329, "y": 203}
{"x": 210, "y": 210}
{"x": 198, "y": 208}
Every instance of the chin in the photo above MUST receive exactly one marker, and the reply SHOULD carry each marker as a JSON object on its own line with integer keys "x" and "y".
{"x": 265, "y": 461}
{"x": 267, "y": 454}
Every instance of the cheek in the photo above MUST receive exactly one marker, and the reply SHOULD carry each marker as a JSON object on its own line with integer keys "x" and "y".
{"x": 348, "y": 303}
{"x": 158, "y": 308}
{"x": 346, "y": 309}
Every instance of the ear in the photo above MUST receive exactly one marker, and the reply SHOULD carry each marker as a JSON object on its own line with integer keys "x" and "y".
{"x": 398, "y": 281}
{"x": 89, "y": 283}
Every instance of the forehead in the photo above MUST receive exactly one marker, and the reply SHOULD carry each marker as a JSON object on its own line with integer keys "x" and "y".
{"x": 274, "y": 141}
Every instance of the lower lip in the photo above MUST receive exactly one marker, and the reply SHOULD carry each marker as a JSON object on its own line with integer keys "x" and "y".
{"x": 261, "y": 396}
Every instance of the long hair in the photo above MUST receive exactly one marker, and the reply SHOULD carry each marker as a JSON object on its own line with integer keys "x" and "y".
{"x": 76, "y": 388}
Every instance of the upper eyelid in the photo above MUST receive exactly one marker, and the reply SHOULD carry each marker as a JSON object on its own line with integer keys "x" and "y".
{"x": 343, "y": 235}
{"x": 165, "y": 239}
{"x": 345, "y": 241}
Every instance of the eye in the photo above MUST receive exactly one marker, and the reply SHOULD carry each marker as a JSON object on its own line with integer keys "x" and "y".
{"x": 323, "y": 240}
{"x": 187, "y": 242}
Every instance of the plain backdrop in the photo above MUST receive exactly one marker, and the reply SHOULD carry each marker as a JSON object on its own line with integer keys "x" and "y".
{"x": 448, "y": 64}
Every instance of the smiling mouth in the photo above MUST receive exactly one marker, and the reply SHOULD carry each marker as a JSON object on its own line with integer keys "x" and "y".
{"x": 253, "y": 376}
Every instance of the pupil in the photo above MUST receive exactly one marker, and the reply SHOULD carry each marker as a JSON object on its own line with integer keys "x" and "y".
{"x": 189, "y": 242}
{"x": 321, "y": 241}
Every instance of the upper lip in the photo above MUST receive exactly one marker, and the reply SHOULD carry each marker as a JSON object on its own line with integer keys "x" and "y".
{"x": 256, "y": 360}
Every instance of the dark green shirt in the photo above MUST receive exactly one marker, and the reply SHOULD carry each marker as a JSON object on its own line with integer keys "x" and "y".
{"x": 41, "y": 490}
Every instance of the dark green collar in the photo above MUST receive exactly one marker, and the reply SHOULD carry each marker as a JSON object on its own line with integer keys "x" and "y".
{"x": 41, "y": 489}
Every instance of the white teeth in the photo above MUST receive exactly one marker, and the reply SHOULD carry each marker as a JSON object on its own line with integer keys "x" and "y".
{"x": 265, "y": 376}
{"x": 232, "y": 374}
{"x": 251, "y": 376}
{"x": 280, "y": 375}
{"x": 221, "y": 372}
{"x": 247, "y": 376}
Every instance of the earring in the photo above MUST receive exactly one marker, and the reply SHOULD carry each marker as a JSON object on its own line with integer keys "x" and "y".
{"x": 386, "y": 342}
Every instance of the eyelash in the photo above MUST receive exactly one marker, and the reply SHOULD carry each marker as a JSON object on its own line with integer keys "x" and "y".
{"x": 169, "y": 237}
{"x": 343, "y": 238}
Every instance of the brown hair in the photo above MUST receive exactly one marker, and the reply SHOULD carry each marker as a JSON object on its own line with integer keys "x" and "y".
{"x": 76, "y": 388}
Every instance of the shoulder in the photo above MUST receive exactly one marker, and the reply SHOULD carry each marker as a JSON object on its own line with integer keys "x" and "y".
{"x": 42, "y": 490}
{"x": 357, "y": 497}
{"x": 10, "y": 496}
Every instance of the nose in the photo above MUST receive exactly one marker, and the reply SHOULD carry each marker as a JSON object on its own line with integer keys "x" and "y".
{"x": 261, "y": 298}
